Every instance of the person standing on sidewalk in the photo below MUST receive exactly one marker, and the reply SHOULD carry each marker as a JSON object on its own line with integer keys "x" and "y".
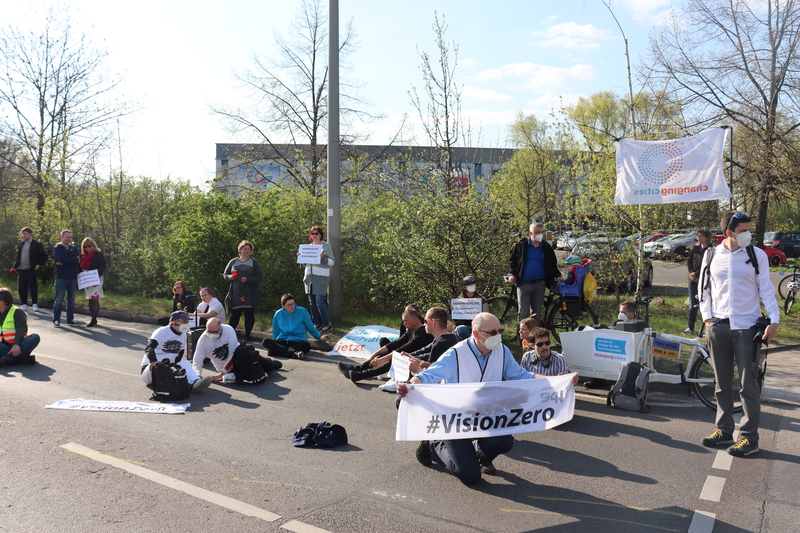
{"x": 31, "y": 256}
{"x": 695, "y": 260}
{"x": 532, "y": 267}
{"x": 65, "y": 259}
{"x": 734, "y": 279}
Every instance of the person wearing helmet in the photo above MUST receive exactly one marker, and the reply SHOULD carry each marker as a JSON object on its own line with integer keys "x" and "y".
{"x": 469, "y": 289}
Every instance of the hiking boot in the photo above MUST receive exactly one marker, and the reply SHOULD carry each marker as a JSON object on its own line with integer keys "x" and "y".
{"x": 424, "y": 453}
{"x": 743, "y": 447}
{"x": 717, "y": 438}
{"x": 201, "y": 384}
{"x": 488, "y": 468}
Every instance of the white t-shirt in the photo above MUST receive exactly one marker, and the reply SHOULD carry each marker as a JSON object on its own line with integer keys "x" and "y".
{"x": 169, "y": 344}
{"x": 213, "y": 305}
{"x": 220, "y": 351}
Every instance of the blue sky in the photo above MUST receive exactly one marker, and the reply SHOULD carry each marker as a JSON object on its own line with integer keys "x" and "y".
{"x": 177, "y": 56}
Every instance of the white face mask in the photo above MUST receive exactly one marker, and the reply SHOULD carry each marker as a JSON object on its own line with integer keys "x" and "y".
{"x": 493, "y": 342}
{"x": 184, "y": 328}
{"x": 539, "y": 237}
{"x": 471, "y": 288}
{"x": 214, "y": 336}
{"x": 622, "y": 316}
{"x": 743, "y": 238}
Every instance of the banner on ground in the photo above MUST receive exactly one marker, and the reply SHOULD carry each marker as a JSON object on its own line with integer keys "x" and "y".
{"x": 678, "y": 170}
{"x": 362, "y": 341}
{"x": 476, "y": 410}
{"x": 90, "y": 278}
{"x": 79, "y": 404}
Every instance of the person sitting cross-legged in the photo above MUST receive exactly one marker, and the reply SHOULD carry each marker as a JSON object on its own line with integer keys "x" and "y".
{"x": 218, "y": 343}
{"x": 16, "y": 344}
{"x": 290, "y": 328}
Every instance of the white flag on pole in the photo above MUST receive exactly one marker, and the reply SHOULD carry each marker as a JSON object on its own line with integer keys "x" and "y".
{"x": 679, "y": 170}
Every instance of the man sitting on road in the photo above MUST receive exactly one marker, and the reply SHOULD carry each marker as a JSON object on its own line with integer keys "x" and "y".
{"x": 169, "y": 343}
{"x": 290, "y": 327}
{"x": 414, "y": 338}
{"x": 15, "y": 343}
{"x": 541, "y": 360}
{"x": 436, "y": 326}
{"x": 218, "y": 343}
{"x": 481, "y": 358}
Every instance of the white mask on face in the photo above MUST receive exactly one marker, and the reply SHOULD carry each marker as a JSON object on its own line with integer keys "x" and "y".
{"x": 184, "y": 328}
{"x": 539, "y": 237}
{"x": 622, "y": 316}
{"x": 471, "y": 288}
{"x": 743, "y": 238}
{"x": 213, "y": 336}
{"x": 493, "y": 342}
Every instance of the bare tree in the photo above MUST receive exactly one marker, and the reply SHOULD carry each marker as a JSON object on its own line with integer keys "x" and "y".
{"x": 290, "y": 98}
{"x": 55, "y": 97}
{"x": 737, "y": 60}
{"x": 440, "y": 110}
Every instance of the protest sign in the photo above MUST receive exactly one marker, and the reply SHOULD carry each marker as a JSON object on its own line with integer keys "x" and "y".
{"x": 79, "y": 404}
{"x": 362, "y": 341}
{"x": 465, "y": 308}
{"x": 90, "y": 278}
{"x": 310, "y": 254}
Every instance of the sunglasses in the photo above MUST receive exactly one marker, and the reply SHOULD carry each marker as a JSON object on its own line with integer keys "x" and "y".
{"x": 87, "y": 247}
{"x": 737, "y": 216}
{"x": 493, "y": 332}
{"x": 314, "y": 233}
{"x": 542, "y": 343}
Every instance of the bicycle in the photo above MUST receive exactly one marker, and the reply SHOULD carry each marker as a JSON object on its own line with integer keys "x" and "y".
{"x": 791, "y": 285}
{"x": 794, "y": 277}
{"x": 506, "y": 309}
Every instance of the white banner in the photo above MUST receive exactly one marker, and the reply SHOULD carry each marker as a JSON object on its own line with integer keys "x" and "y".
{"x": 79, "y": 404}
{"x": 475, "y": 410}
{"x": 362, "y": 341}
{"x": 679, "y": 170}
{"x": 310, "y": 254}
{"x": 90, "y": 278}
{"x": 465, "y": 308}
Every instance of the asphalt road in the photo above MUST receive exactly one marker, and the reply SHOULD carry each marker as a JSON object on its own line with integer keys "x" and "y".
{"x": 228, "y": 463}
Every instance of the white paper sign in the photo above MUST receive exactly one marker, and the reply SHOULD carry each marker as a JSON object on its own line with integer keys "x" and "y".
{"x": 362, "y": 341}
{"x": 310, "y": 254}
{"x": 400, "y": 370}
{"x": 475, "y": 410}
{"x": 90, "y": 278}
{"x": 466, "y": 308}
{"x": 79, "y": 404}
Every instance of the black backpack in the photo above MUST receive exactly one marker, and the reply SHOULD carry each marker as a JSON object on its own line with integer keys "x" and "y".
{"x": 169, "y": 382}
{"x": 630, "y": 390}
{"x": 247, "y": 365}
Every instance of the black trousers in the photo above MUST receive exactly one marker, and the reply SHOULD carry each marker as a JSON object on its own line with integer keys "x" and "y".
{"x": 26, "y": 279}
{"x": 280, "y": 348}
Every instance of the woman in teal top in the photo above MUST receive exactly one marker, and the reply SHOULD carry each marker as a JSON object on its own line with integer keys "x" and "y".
{"x": 290, "y": 328}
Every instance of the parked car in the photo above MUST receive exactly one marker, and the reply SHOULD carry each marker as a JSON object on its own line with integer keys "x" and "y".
{"x": 775, "y": 256}
{"x": 675, "y": 247}
{"x": 787, "y": 242}
{"x": 569, "y": 241}
{"x": 650, "y": 247}
{"x": 614, "y": 263}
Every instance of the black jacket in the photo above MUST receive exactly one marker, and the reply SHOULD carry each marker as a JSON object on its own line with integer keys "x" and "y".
{"x": 516, "y": 265}
{"x": 37, "y": 254}
{"x": 696, "y": 259}
{"x": 98, "y": 263}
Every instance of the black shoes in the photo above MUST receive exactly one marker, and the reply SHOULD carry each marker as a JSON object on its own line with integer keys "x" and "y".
{"x": 92, "y": 324}
{"x": 424, "y": 453}
{"x": 343, "y": 369}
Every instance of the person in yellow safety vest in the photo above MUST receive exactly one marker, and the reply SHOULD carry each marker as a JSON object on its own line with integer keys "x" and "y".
{"x": 15, "y": 343}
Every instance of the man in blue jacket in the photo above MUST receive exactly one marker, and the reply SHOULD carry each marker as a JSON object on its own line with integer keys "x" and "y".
{"x": 65, "y": 264}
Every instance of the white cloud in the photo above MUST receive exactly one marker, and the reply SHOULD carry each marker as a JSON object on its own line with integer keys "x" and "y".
{"x": 535, "y": 77}
{"x": 642, "y": 9}
{"x": 571, "y": 35}
{"x": 486, "y": 95}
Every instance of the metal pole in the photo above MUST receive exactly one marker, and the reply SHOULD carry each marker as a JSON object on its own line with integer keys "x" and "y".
{"x": 334, "y": 180}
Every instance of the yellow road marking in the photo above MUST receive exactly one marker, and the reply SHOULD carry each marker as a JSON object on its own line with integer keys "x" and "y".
{"x": 590, "y": 517}
{"x": 617, "y": 505}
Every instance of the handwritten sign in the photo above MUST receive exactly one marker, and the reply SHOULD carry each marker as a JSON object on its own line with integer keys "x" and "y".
{"x": 90, "y": 278}
{"x": 466, "y": 308}
{"x": 310, "y": 254}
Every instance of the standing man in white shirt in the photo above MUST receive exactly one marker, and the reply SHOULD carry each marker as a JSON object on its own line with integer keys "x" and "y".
{"x": 733, "y": 283}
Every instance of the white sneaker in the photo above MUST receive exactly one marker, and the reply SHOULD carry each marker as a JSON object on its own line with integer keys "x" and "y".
{"x": 35, "y": 307}
{"x": 688, "y": 331}
{"x": 389, "y": 386}
{"x": 24, "y": 307}
{"x": 201, "y": 384}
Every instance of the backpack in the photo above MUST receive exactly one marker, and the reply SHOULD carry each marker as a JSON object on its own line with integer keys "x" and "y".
{"x": 169, "y": 382}
{"x": 630, "y": 390}
{"x": 247, "y": 366}
{"x": 705, "y": 275}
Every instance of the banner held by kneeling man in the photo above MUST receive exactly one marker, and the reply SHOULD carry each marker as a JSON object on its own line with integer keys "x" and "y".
{"x": 477, "y": 410}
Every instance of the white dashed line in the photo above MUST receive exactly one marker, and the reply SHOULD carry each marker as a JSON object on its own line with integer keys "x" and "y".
{"x": 702, "y": 522}
{"x": 723, "y": 460}
{"x": 712, "y": 490}
{"x": 300, "y": 527}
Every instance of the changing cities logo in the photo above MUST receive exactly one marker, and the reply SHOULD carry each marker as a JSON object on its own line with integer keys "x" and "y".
{"x": 658, "y": 165}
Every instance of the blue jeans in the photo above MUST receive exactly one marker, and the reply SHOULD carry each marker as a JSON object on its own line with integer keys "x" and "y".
{"x": 319, "y": 309}
{"x": 27, "y": 345}
{"x": 70, "y": 287}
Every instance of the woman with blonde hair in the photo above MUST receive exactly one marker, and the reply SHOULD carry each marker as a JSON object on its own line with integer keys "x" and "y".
{"x": 93, "y": 259}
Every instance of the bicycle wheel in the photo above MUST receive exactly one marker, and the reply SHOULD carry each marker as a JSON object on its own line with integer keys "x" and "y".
{"x": 705, "y": 391}
{"x": 789, "y": 302}
{"x": 782, "y": 286}
{"x": 559, "y": 321}
{"x": 505, "y": 309}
